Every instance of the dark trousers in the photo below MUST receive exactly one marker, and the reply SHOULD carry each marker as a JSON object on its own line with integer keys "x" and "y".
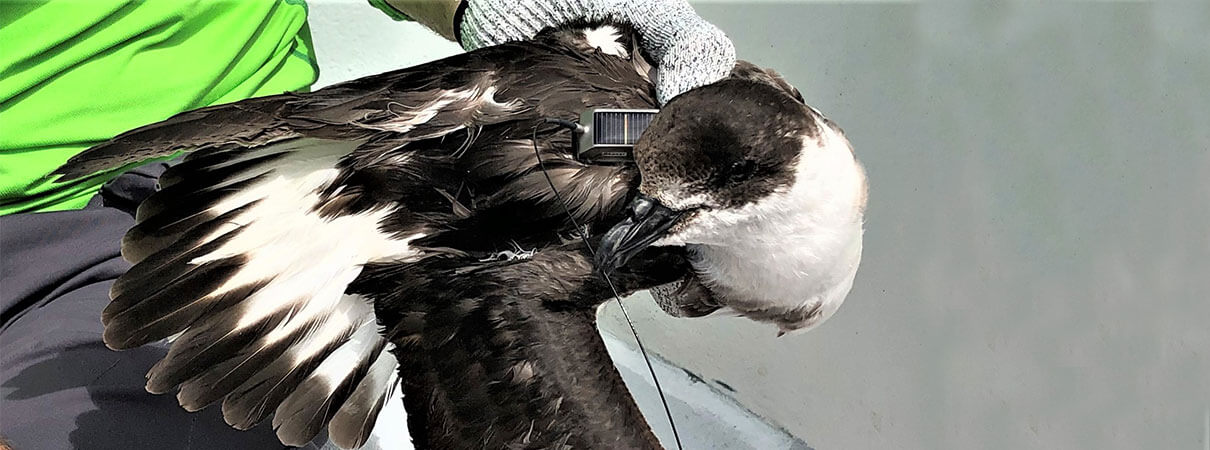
{"x": 60, "y": 387}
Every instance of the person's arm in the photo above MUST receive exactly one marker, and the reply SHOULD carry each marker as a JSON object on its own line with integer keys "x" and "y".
{"x": 436, "y": 15}
{"x": 688, "y": 51}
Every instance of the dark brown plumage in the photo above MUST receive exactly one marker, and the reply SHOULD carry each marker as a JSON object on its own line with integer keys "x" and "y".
{"x": 298, "y": 225}
{"x": 507, "y": 355}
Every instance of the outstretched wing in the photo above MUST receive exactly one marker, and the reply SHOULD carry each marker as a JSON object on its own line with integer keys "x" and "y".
{"x": 245, "y": 253}
{"x": 252, "y": 275}
{"x": 423, "y": 102}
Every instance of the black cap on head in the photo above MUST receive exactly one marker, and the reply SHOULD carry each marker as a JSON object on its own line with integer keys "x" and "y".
{"x": 733, "y": 141}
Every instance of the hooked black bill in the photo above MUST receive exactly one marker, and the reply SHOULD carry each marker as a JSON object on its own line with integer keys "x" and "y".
{"x": 648, "y": 222}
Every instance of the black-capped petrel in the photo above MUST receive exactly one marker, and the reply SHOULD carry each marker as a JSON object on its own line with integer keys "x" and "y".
{"x": 314, "y": 248}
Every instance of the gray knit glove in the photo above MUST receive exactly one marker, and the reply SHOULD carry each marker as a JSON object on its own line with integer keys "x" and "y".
{"x": 688, "y": 51}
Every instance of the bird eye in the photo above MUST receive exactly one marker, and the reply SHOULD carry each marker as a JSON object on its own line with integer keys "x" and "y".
{"x": 741, "y": 170}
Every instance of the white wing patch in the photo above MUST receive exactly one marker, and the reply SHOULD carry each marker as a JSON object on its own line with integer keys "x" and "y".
{"x": 258, "y": 292}
{"x": 285, "y": 240}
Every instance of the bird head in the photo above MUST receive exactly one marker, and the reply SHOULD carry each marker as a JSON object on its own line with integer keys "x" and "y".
{"x": 764, "y": 191}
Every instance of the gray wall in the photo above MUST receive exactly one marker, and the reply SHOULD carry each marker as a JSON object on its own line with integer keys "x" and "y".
{"x": 1038, "y": 236}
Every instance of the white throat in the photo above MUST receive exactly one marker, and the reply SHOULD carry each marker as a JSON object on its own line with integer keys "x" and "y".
{"x": 797, "y": 280}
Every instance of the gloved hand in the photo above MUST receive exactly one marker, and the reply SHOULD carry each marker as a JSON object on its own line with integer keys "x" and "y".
{"x": 688, "y": 51}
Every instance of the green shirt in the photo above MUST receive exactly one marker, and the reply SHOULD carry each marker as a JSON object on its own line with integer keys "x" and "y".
{"x": 74, "y": 73}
